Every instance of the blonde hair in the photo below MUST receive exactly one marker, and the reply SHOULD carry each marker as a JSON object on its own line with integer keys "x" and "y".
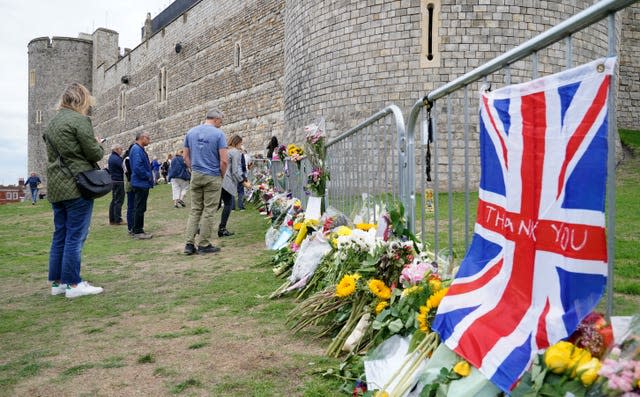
{"x": 235, "y": 140}
{"x": 77, "y": 97}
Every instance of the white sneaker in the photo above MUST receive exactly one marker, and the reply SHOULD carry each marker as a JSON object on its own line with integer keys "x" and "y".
{"x": 83, "y": 288}
{"x": 58, "y": 289}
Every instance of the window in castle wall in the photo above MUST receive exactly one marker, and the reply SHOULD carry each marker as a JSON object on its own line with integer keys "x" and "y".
{"x": 122, "y": 106}
{"x": 162, "y": 85}
{"x": 38, "y": 116}
{"x": 184, "y": 18}
{"x": 430, "y": 39}
{"x": 237, "y": 55}
{"x": 32, "y": 78}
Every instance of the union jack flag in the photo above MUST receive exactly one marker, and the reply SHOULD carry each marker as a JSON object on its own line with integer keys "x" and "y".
{"x": 537, "y": 263}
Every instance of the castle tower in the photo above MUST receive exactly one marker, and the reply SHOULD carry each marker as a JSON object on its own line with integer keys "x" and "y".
{"x": 53, "y": 64}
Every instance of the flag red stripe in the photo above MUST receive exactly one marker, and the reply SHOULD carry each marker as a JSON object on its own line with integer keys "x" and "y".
{"x": 581, "y": 132}
{"x": 542, "y": 339}
{"x": 462, "y": 288}
{"x": 497, "y": 132}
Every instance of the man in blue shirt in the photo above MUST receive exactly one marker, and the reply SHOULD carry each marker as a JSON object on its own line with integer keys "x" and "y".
{"x": 205, "y": 152}
{"x": 33, "y": 181}
{"x": 117, "y": 191}
{"x": 141, "y": 182}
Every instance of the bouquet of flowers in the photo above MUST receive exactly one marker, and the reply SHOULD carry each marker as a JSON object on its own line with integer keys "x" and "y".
{"x": 317, "y": 152}
{"x": 317, "y": 181}
{"x": 282, "y": 152}
{"x": 296, "y": 153}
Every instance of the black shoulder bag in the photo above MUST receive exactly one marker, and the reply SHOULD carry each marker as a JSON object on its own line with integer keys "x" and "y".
{"x": 92, "y": 183}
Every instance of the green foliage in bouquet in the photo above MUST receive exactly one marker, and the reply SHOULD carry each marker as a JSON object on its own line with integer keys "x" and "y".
{"x": 446, "y": 376}
{"x": 541, "y": 382}
{"x": 398, "y": 223}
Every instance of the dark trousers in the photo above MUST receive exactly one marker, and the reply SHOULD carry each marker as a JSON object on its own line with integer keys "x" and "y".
{"x": 130, "y": 197}
{"x": 239, "y": 198}
{"x": 139, "y": 207}
{"x": 117, "y": 198}
{"x": 227, "y": 199}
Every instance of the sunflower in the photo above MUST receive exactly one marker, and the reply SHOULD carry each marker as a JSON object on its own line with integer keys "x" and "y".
{"x": 423, "y": 321}
{"x": 365, "y": 226}
{"x": 435, "y": 284}
{"x": 379, "y": 289}
{"x": 381, "y": 306}
{"x": 347, "y": 285}
{"x": 434, "y": 300}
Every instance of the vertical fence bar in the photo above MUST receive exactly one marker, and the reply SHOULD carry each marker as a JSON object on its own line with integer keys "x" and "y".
{"x": 450, "y": 177}
{"x": 424, "y": 137}
{"x": 436, "y": 179}
{"x": 466, "y": 166}
{"x": 568, "y": 43}
{"x": 534, "y": 65}
{"x": 611, "y": 167}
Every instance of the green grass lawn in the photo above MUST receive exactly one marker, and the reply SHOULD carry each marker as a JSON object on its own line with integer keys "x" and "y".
{"x": 168, "y": 324}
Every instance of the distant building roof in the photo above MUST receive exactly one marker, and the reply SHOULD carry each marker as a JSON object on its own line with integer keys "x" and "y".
{"x": 170, "y": 13}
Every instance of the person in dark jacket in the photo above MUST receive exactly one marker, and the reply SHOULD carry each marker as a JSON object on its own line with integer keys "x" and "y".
{"x": 117, "y": 190}
{"x": 71, "y": 148}
{"x": 271, "y": 147}
{"x": 33, "y": 181}
{"x": 179, "y": 176}
{"x": 141, "y": 182}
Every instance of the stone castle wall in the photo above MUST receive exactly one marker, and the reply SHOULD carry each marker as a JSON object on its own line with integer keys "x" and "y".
{"x": 53, "y": 64}
{"x": 343, "y": 60}
{"x": 202, "y": 75}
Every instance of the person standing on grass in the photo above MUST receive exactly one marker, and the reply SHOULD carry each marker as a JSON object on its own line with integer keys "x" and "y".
{"x": 71, "y": 148}
{"x": 33, "y": 181}
{"x": 155, "y": 167}
{"x": 179, "y": 176}
{"x": 205, "y": 152}
{"x": 141, "y": 182}
{"x": 232, "y": 178}
{"x": 117, "y": 190}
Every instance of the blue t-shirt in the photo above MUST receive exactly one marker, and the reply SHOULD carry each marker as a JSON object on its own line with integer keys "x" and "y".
{"x": 203, "y": 142}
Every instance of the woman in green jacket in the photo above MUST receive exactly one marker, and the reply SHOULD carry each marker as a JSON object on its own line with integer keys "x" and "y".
{"x": 71, "y": 148}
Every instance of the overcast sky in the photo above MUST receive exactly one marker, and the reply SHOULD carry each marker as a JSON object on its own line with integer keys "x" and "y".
{"x": 27, "y": 19}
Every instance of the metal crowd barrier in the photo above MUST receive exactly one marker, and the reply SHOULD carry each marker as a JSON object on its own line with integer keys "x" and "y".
{"x": 433, "y": 116}
{"x": 366, "y": 164}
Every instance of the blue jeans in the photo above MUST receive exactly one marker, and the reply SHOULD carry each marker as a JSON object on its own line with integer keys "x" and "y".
{"x": 34, "y": 194}
{"x": 71, "y": 219}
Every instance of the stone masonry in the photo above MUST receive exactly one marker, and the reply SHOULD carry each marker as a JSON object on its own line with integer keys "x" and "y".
{"x": 275, "y": 65}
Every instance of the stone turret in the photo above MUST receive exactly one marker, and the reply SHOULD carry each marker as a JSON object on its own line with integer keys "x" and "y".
{"x": 53, "y": 64}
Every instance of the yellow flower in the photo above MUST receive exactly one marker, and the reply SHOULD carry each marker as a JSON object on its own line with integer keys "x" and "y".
{"x": 381, "y": 306}
{"x": 435, "y": 299}
{"x": 293, "y": 149}
{"x": 297, "y": 226}
{"x": 423, "y": 321}
{"x": 558, "y": 357}
{"x": 347, "y": 285}
{"x": 578, "y": 358}
{"x": 411, "y": 290}
{"x": 588, "y": 372}
{"x": 382, "y": 394}
{"x": 379, "y": 289}
{"x": 462, "y": 368}
{"x": 365, "y": 226}
{"x": 343, "y": 231}
{"x": 435, "y": 285}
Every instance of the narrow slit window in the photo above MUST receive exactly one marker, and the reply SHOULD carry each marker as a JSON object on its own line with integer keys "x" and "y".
{"x": 38, "y": 116}
{"x": 32, "y": 78}
{"x": 122, "y": 106}
{"x": 430, "y": 40}
{"x": 237, "y": 55}
{"x": 162, "y": 85}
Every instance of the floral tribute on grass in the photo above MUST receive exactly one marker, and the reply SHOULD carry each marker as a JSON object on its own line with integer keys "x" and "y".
{"x": 373, "y": 289}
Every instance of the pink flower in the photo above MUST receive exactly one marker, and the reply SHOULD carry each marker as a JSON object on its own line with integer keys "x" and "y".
{"x": 414, "y": 273}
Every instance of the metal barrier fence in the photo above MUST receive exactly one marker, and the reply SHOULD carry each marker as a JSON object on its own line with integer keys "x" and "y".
{"x": 425, "y": 120}
{"x": 366, "y": 164}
